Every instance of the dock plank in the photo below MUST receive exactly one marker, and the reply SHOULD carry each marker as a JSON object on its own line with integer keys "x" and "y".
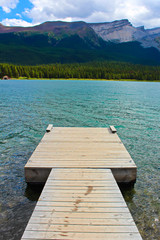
{"x": 32, "y": 235}
{"x": 64, "y": 147}
{"x": 81, "y": 199}
{"x": 94, "y": 210}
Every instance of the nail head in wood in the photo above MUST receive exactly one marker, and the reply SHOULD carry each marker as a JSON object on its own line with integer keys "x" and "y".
{"x": 49, "y": 128}
{"x": 113, "y": 130}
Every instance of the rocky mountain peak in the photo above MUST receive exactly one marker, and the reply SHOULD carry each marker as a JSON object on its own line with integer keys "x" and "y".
{"x": 123, "y": 31}
{"x": 141, "y": 28}
{"x": 117, "y": 31}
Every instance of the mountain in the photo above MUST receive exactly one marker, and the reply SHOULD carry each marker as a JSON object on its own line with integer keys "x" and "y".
{"x": 66, "y": 42}
{"x": 55, "y": 32}
{"x": 123, "y": 31}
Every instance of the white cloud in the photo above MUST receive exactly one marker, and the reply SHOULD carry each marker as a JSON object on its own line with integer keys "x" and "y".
{"x": 130, "y": 10}
{"x": 46, "y": 10}
{"x": 7, "y": 5}
{"x": 153, "y": 23}
{"x": 16, "y": 22}
{"x": 6, "y": 9}
{"x": 19, "y": 15}
{"x": 138, "y": 12}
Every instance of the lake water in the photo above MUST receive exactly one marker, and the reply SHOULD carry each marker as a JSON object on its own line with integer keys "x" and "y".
{"x": 27, "y": 107}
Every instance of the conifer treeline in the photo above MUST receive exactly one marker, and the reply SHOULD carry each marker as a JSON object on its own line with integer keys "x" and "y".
{"x": 93, "y": 70}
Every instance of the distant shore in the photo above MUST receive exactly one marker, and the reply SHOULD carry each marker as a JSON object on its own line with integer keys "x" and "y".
{"x": 76, "y": 79}
{"x": 93, "y": 71}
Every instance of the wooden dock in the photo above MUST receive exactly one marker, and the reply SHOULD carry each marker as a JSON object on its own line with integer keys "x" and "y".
{"x": 80, "y": 148}
{"x": 81, "y": 198}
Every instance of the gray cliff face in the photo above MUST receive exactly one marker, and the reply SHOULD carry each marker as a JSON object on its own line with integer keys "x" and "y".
{"x": 117, "y": 31}
{"x": 123, "y": 31}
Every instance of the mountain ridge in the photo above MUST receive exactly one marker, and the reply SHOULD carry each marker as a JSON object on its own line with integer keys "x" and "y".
{"x": 118, "y": 31}
{"x": 68, "y": 42}
{"x": 123, "y": 31}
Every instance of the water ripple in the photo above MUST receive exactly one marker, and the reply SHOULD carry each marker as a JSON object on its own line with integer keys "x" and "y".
{"x": 28, "y": 106}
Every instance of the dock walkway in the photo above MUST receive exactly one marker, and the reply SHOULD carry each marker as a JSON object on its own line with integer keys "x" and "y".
{"x": 67, "y": 147}
{"x": 81, "y": 198}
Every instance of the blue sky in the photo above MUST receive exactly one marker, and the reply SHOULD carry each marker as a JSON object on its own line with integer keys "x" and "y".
{"x": 17, "y": 12}
{"x": 32, "y": 12}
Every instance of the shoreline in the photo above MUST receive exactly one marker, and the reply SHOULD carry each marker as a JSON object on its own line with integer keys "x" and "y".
{"x": 85, "y": 79}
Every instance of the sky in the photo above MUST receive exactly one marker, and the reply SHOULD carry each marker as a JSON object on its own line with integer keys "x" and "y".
{"x": 33, "y": 12}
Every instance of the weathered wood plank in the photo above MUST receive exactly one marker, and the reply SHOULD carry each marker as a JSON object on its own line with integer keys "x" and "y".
{"x": 81, "y": 199}
{"x": 32, "y": 235}
{"x": 81, "y": 130}
{"x": 81, "y": 228}
{"x": 107, "y": 199}
{"x": 80, "y": 145}
{"x": 86, "y": 160}
{"x": 80, "y": 183}
{"x": 74, "y": 195}
{"x": 79, "y": 156}
{"x": 62, "y": 164}
{"x": 84, "y": 221}
{"x": 81, "y": 209}
{"x": 81, "y": 204}
{"x": 53, "y": 187}
{"x": 67, "y": 201}
{"x": 83, "y": 191}
{"x": 78, "y": 215}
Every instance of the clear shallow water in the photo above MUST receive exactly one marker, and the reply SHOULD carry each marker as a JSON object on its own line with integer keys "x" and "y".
{"x": 27, "y": 107}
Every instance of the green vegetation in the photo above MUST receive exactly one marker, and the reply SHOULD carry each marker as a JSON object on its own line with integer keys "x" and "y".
{"x": 92, "y": 70}
{"x": 32, "y": 48}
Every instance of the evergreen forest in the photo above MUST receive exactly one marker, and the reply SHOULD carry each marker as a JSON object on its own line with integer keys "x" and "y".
{"x": 91, "y": 70}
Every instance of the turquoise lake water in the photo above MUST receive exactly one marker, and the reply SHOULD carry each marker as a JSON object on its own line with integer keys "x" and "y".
{"x": 27, "y": 107}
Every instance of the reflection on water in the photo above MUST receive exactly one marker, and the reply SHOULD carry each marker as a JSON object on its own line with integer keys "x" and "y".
{"x": 27, "y": 107}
